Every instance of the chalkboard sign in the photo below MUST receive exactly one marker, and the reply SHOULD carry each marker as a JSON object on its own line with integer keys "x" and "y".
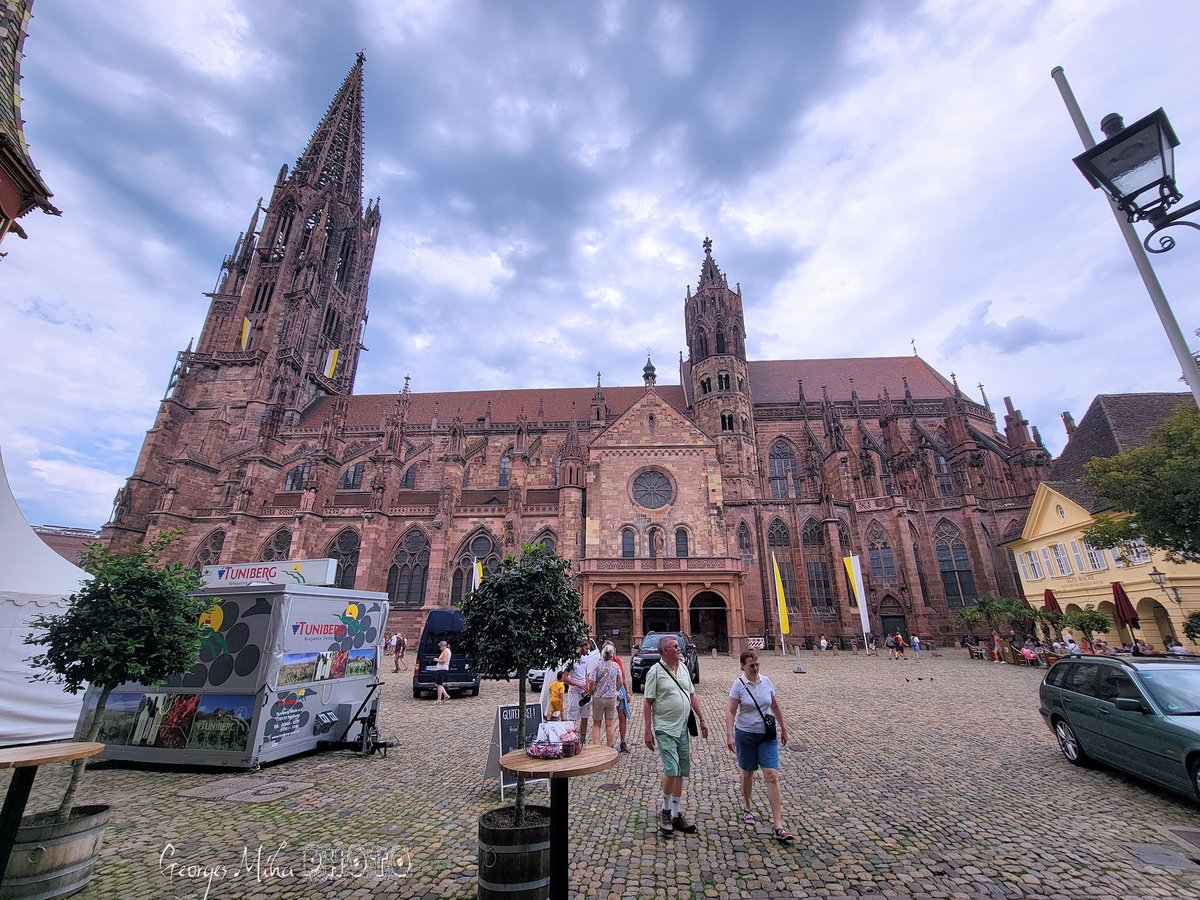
{"x": 504, "y": 739}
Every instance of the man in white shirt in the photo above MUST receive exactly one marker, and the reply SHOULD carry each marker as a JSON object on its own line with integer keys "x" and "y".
{"x": 577, "y": 688}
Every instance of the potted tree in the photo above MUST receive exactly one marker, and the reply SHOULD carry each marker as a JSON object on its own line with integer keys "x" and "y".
{"x": 1089, "y": 620}
{"x": 134, "y": 620}
{"x": 526, "y": 615}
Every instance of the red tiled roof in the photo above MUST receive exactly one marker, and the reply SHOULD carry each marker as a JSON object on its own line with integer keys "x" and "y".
{"x": 774, "y": 381}
{"x": 558, "y": 404}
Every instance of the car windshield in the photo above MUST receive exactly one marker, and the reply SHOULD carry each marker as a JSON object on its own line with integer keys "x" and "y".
{"x": 1175, "y": 688}
{"x": 652, "y": 640}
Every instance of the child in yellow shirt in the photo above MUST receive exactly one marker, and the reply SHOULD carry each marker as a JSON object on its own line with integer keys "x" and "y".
{"x": 558, "y": 690}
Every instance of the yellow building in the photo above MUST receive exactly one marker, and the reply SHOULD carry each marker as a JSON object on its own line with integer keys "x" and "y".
{"x": 1051, "y": 555}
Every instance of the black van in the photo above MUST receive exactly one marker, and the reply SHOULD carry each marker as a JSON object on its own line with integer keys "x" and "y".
{"x": 443, "y": 625}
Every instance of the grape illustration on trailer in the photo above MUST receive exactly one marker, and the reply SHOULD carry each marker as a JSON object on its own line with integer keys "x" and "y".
{"x": 225, "y": 647}
{"x": 360, "y": 627}
{"x": 284, "y": 718}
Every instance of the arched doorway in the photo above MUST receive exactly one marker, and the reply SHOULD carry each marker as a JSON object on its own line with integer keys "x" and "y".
{"x": 1155, "y": 623}
{"x": 1119, "y": 634}
{"x": 891, "y": 616}
{"x": 660, "y": 612}
{"x": 614, "y": 620}
{"x": 709, "y": 623}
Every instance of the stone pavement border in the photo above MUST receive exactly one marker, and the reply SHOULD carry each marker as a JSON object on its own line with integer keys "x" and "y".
{"x": 933, "y": 779}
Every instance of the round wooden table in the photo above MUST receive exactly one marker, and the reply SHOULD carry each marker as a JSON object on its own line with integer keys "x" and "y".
{"x": 590, "y": 759}
{"x": 26, "y": 761}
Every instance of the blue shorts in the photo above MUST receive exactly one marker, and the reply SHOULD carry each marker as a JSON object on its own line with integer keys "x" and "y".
{"x": 675, "y": 751}
{"x": 753, "y": 752}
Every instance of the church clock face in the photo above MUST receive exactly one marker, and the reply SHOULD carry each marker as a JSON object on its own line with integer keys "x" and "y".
{"x": 652, "y": 489}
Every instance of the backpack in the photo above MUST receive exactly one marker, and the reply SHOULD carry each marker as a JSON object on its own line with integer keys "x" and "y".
{"x": 890, "y": 643}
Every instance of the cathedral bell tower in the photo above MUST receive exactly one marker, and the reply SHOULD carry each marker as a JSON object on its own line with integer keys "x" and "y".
{"x": 284, "y": 327}
{"x": 291, "y": 301}
{"x": 722, "y": 403}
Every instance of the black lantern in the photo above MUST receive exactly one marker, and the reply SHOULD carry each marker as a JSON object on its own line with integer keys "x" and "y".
{"x": 1135, "y": 166}
{"x": 1160, "y": 578}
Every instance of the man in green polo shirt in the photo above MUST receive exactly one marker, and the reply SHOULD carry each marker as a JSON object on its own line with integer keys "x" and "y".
{"x": 668, "y": 700}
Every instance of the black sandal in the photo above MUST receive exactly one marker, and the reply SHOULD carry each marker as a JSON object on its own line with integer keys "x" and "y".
{"x": 784, "y": 836}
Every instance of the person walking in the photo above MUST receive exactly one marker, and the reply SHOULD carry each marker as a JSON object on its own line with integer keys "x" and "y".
{"x": 441, "y": 667}
{"x": 756, "y": 736}
{"x": 898, "y": 639}
{"x": 916, "y": 647}
{"x": 578, "y": 698}
{"x": 393, "y": 647}
{"x": 401, "y": 646}
{"x": 668, "y": 699}
{"x": 622, "y": 702}
{"x": 605, "y": 682}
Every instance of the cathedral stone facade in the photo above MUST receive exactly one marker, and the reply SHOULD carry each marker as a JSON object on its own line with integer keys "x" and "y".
{"x": 671, "y": 500}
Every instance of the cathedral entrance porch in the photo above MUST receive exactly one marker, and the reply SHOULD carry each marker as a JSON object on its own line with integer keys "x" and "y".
{"x": 701, "y": 596}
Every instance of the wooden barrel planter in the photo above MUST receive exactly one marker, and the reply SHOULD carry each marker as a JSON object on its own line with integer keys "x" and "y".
{"x": 55, "y": 859}
{"x": 514, "y": 863}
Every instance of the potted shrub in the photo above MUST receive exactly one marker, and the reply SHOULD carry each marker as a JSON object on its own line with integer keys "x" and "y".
{"x": 134, "y": 620}
{"x": 526, "y": 615}
{"x": 1089, "y": 620}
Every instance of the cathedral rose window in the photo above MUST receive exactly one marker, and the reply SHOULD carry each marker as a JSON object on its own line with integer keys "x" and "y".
{"x": 652, "y": 490}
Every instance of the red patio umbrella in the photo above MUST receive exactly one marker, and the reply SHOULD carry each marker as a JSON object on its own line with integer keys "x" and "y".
{"x": 1126, "y": 614}
{"x": 1050, "y": 602}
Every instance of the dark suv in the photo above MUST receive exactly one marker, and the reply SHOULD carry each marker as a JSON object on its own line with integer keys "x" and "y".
{"x": 646, "y": 654}
{"x": 1140, "y": 714}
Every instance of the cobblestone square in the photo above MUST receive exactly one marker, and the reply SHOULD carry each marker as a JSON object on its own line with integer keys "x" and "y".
{"x": 929, "y": 779}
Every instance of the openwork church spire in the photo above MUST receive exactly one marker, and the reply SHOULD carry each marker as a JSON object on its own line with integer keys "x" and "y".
{"x": 334, "y": 155}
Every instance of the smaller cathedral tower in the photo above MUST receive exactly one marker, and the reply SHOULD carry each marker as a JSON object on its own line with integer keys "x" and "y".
{"x": 722, "y": 404}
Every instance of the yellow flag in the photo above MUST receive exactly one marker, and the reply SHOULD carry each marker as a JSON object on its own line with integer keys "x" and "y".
{"x": 783, "y": 616}
{"x": 331, "y": 363}
{"x": 245, "y": 331}
{"x": 478, "y": 574}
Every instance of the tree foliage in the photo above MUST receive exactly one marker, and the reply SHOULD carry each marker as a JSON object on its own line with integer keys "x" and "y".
{"x": 527, "y": 615}
{"x": 1002, "y": 612}
{"x": 1155, "y": 490}
{"x": 1089, "y": 620}
{"x": 1191, "y": 627}
{"x": 134, "y": 620}
{"x": 968, "y": 618}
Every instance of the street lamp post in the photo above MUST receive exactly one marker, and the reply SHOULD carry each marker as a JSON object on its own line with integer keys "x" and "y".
{"x": 1160, "y": 578}
{"x": 1135, "y": 167}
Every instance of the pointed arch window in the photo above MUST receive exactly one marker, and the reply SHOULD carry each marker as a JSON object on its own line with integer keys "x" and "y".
{"x": 722, "y": 381}
{"x": 705, "y": 386}
{"x": 720, "y": 341}
{"x": 817, "y": 569}
{"x": 297, "y": 477}
{"x": 883, "y": 561}
{"x": 209, "y": 553}
{"x": 351, "y": 477}
{"x": 409, "y": 479}
{"x": 782, "y": 468}
{"x": 547, "y": 539}
{"x": 505, "y": 468}
{"x": 681, "y": 542}
{"x": 278, "y": 547}
{"x": 409, "y": 573}
{"x": 955, "y": 564}
{"x": 727, "y": 421}
{"x": 483, "y": 548}
{"x": 283, "y": 230}
{"x": 701, "y": 345}
{"x": 344, "y": 548}
{"x": 306, "y": 236}
{"x": 779, "y": 540}
{"x": 745, "y": 548}
{"x": 628, "y": 543}
{"x": 941, "y": 472}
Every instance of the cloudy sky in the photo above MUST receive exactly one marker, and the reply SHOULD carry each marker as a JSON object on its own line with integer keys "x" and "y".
{"x": 871, "y": 173}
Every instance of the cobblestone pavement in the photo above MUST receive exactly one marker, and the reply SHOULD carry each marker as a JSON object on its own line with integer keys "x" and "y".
{"x": 930, "y": 779}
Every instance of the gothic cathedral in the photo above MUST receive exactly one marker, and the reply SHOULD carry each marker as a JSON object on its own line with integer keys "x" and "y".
{"x": 671, "y": 500}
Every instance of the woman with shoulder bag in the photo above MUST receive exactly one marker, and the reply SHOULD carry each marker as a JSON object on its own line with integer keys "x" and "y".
{"x": 756, "y": 735}
{"x": 605, "y": 682}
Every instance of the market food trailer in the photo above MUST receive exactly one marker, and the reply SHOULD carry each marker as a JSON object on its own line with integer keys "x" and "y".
{"x": 283, "y": 668}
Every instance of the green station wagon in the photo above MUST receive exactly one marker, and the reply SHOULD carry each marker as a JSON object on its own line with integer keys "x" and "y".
{"x": 1137, "y": 714}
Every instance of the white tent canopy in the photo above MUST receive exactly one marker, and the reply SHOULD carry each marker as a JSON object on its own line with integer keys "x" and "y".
{"x": 33, "y": 580}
